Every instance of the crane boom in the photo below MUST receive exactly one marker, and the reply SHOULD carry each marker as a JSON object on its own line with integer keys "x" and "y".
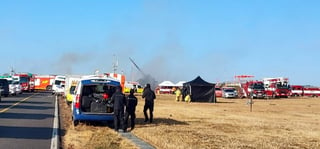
{"x": 136, "y": 66}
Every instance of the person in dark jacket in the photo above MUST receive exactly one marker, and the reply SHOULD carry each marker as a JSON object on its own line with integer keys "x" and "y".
{"x": 118, "y": 99}
{"x": 132, "y": 102}
{"x": 149, "y": 96}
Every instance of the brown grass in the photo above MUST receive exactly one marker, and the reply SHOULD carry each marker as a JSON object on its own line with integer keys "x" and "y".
{"x": 279, "y": 123}
{"x": 88, "y": 136}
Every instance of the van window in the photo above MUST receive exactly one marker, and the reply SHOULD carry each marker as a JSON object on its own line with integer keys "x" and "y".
{"x": 88, "y": 90}
{"x": 72, "y": 89}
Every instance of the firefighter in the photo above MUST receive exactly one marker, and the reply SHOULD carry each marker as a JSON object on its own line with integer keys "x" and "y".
{"x": 118, "y": 99}
{"x": 131, "y": 104}
{"x": 187, "y": 98}
{"x": 149, "y": 96}
{"x": 178, "y": 94}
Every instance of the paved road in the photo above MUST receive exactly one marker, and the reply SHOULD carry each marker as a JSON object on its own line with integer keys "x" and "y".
{"x": 26, "y": 121}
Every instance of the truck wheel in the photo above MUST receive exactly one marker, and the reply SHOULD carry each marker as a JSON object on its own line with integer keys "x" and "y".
{"x": 49, "y": 88}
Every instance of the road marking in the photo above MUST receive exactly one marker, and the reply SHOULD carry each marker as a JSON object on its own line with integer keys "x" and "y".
{"x": 8, "y": 108}
{"x": 55, "y": 128}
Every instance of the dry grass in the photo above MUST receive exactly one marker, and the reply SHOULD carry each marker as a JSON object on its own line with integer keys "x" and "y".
{"x": 280, "y": 123}
{"x": 88, "y": 136}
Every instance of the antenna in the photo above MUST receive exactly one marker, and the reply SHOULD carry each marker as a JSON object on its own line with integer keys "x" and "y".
{"x": 115, "y": 63}
{"x": 12, "y": 72}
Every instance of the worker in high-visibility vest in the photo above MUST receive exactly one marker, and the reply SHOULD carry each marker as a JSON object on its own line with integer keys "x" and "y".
{"x": 187, "y": 98}
{"x": 178, "y": 94}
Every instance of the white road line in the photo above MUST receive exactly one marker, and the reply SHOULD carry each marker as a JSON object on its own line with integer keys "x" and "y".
{"x": 55, "y": 128}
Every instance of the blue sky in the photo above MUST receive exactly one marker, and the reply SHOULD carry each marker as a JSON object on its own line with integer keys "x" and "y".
{"x": 169, "y": 39}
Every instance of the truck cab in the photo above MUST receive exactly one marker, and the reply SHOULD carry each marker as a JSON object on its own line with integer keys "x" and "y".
{"x": 58, "y": 85}
{"x": 256, "y": 90}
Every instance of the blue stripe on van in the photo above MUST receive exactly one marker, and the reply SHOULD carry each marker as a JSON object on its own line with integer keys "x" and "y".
{"x": 100, "y": 81}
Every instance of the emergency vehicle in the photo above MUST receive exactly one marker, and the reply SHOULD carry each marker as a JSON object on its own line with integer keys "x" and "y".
{"x": 70, "y": 85}
{"x": 44, "y": 82}
{"x": 253, "y": 89}
{"x": 92, "y": 102}
{"x": 296, "y": 90}
{"x": 277, "y": 87}
{"x": 300, "y": 90}
{"x": 132, "y": 85}
{"x": 26, "y": 80}
{"x": 58, "y": 85}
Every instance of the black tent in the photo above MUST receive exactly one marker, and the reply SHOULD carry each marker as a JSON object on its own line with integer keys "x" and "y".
{"x": 199, "y": 90}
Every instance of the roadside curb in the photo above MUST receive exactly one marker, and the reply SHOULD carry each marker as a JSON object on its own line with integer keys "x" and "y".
{"x": 139, "y": 142}
{"x": 55, "y": 128}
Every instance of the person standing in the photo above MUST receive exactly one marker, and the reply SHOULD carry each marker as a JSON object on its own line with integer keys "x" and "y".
{"x": 178, "y": 94}
{"x": 131, "y": 104}
{"x": 118, "y": 99}
{"x": 149, "y": 96}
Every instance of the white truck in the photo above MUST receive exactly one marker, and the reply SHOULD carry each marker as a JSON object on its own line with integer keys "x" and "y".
{"x": 58, "y": 85}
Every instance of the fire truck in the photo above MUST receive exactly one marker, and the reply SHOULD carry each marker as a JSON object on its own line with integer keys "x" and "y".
{"x": 277, "y": 87}
{"x": 44, "y": 82}
{"x": 250, "y": 88}
{"x": 26, "y": 80}
{"x": 253, "y": 89}
{"x": 300, "y": 90}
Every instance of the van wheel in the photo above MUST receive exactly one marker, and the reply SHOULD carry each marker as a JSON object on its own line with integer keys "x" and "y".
{"x": 75, "y": 122}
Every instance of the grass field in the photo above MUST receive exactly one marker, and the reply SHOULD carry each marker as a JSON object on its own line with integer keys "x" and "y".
{"x": 277, "y": 123}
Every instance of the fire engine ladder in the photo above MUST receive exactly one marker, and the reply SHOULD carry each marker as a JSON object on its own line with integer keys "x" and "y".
{"x": 244, "y": 93}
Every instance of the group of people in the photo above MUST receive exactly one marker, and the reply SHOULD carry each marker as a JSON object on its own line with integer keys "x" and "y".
{"x": 182, "y": 95}
{"x": 125, "y": 107}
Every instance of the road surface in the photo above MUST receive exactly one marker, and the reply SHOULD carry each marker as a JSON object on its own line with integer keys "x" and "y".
{"x": 26, "y": 121}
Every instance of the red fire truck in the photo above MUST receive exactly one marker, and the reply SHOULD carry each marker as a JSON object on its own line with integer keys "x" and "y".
{"x": 250, "y": 88}
{"x": 254, "y": 89}
{"x": 277, "y": 87}
{"x": 26, "y": 80}
{"x": 300, "y": 90}
{"x": 44, "y": 82}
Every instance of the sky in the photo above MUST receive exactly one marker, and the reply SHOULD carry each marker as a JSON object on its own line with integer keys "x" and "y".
{"x": 175, "y": 40}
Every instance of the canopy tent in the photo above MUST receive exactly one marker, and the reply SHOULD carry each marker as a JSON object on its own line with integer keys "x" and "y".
{"x": 166, "y": 87}
{"x": 180, "y": 84}
{"x": 166, "y": 83}
{"x": 199, "y": 90}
